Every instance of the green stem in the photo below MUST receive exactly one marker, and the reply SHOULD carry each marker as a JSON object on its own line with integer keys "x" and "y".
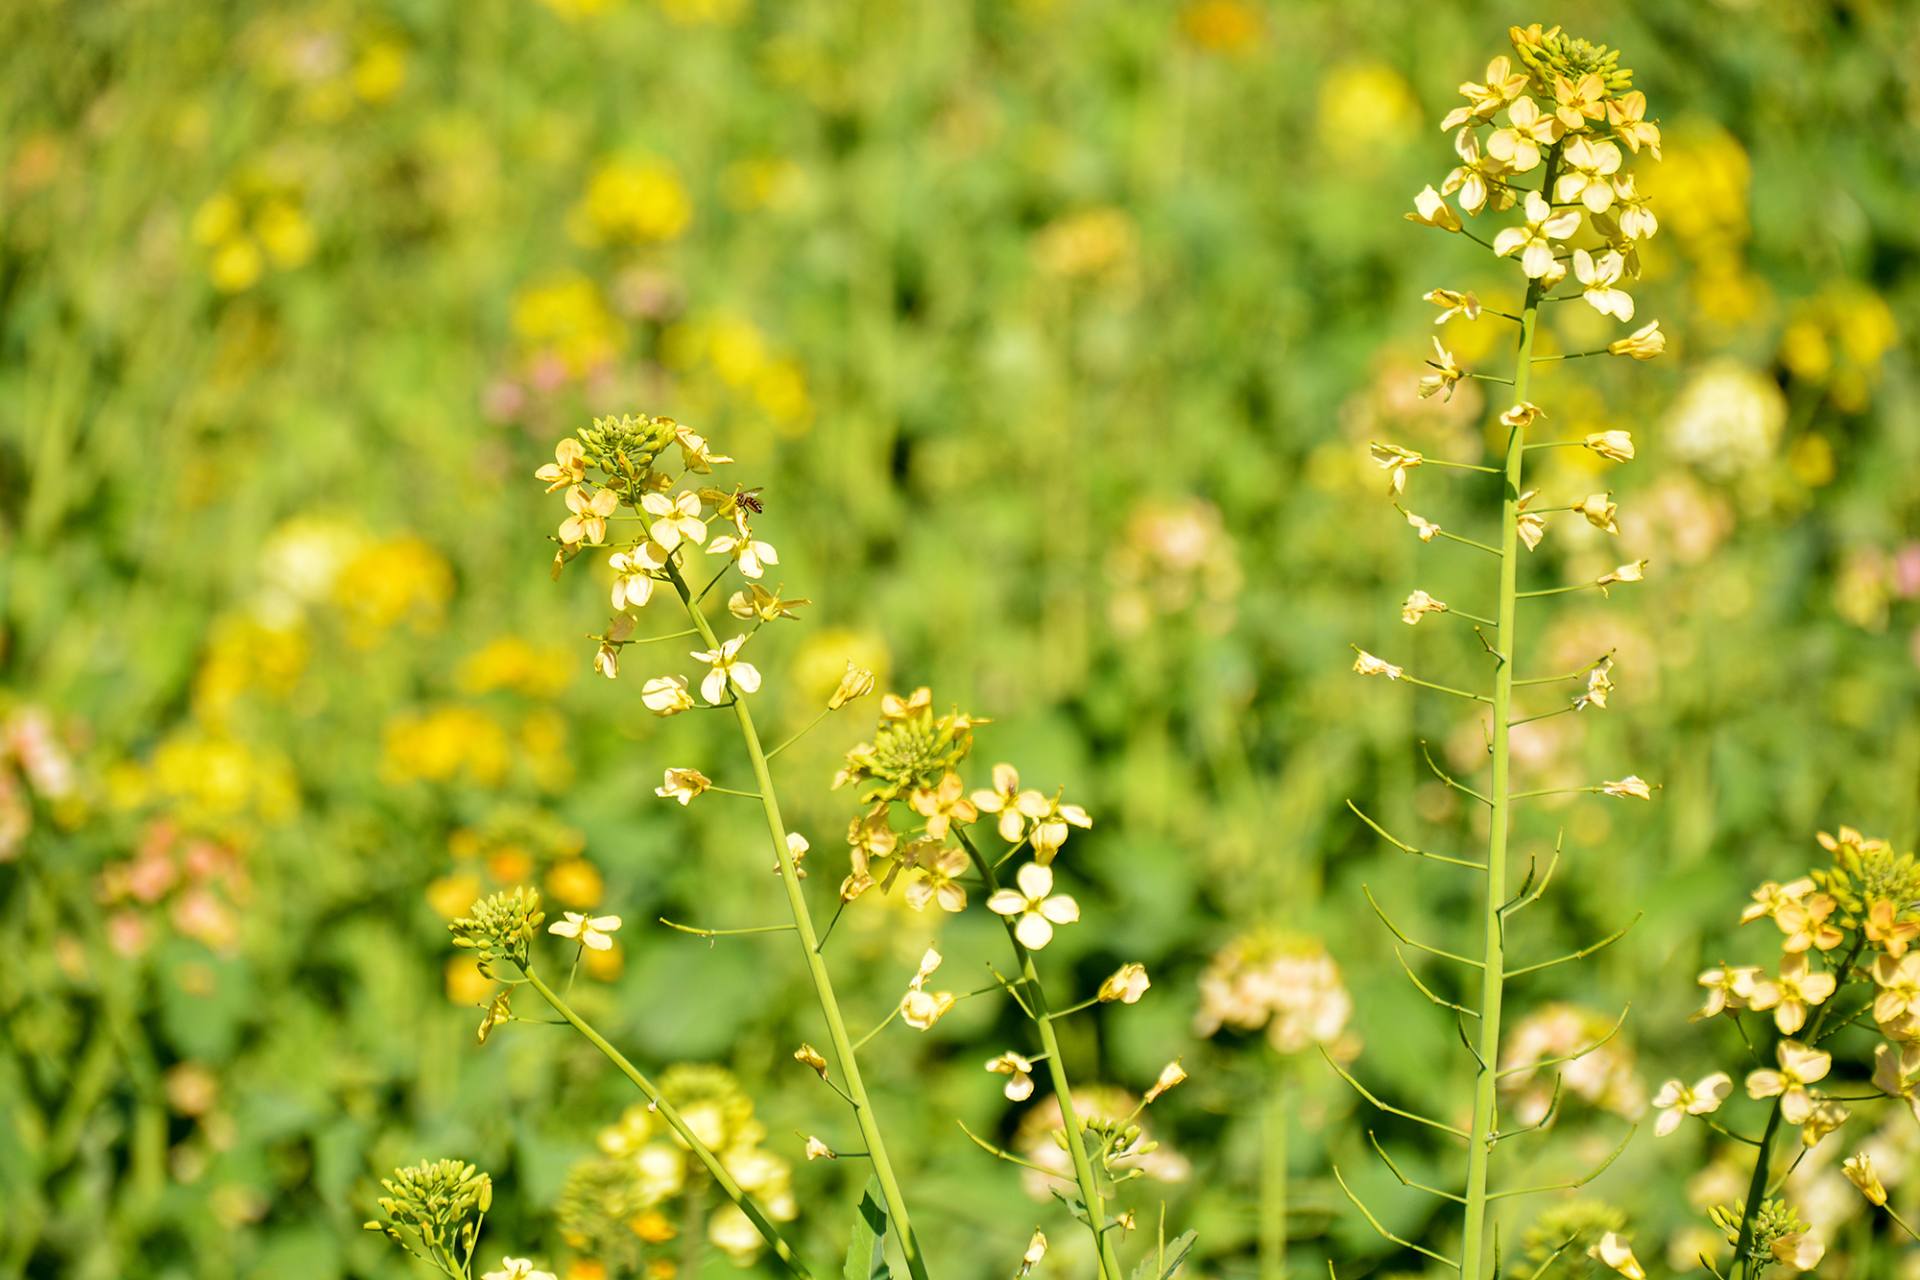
{"x": 1273, "y": 1181}
{"x": 1057, "y": 1075}
{"x": 1475, "y": 1251}
{"x": 843, "y": 1049}
{"x": 710, "y": 1161}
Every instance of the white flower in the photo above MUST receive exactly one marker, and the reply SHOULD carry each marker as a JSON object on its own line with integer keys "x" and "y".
{"x": 1036, "y": 1250}
{"x": 1614, "y": 1251}
{"x": 727, "y": 668}
{"x": 592, "y": 931}
{"x": 1635, "y": 572}
{"x": 818, "y": 1150}
{"x": 632, "y": 578}
{"x": 1170, "y": 1075}
{"x": 752, "y": 556}
{"x": 1127, "y": 984}
{"x": 1630, "y": 787}
{"x": 1430, "y": 209}
{"x": 666, "y": 695}
{"x": 1368, "y": 665}
{"x": 674, "y": 519}
{"x": 1418, "y": 606}
{"x": 1597, "y": 277}
{"x": 1019, "y": 1073}
{"x": 1534, "y": 241}
{"x": 517, "y": 1269}
{"x": 921, "y": 1008}
{"x": 1615, "y": 446}
{"x": 1034, "y": 906}
{"x": 683, "y": 785}
{"x": 1677, "y": 1100}
{"x": 1427, "y": 529}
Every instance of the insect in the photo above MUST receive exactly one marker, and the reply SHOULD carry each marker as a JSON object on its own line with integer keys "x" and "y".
{"x": 750, "y": 499}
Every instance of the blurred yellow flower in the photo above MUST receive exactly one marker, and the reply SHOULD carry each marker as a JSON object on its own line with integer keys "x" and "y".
{"x": 630, "y": 202}
{"x": 566, "y": 320}
{"x": 445, "y": 744}
{"x": 516, "y": 665}
{"x": 390, "y": 582}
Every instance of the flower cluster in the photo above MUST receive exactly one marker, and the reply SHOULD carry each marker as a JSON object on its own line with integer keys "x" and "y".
{"x": 500, "y": 926}
{"x": 1287, "y": 984}
{"x": 434, "y": 1210}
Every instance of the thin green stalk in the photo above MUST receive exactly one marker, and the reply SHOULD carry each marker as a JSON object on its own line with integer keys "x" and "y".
{"x": 843, "y": 1049}
{"x": 1475, "y": 1251}
{"x": 1057, "y": 1075}
{"x": 724, "y": 1180}
{"x": 1273, "y": 1180}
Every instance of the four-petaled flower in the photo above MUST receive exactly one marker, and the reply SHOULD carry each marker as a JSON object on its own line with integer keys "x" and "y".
{"x": 517, "y": 1269}
{"x": 1800, "y": 1065}
{"x": 1034, "y": 907}
{"x": 1613, "y": 1251}
{"x": 1677, "y": 1100}
{"x": 1597, "y": 277}
{"x": 592, "y": 931}
{"x": 943, "y": 805}
{"x": 683, "y": 785}
{"x": 1627, "y": 114}
{"x": 921, "y": 1008}
{"x": 1534, "y": 241}
{"x": 1615, "y": 446}
{"x": 752, "y": 555}
{"x": 725, "y": 668}
{"x": 937, "y": 881}
{"x": 1635, "y": 572}
{"x": 1019, "y": 1073}
{"x": 666, "y": 695}
{"x": 1430, "y": 209}
{"x": 1528, "y": 128}
{"x": 1586, "y": 174}
{"x": 569, "y": 466}
{"x": 674, "y": 520}
{"x": 1419, "y": 604}
{"x": 1453, "y": 304}
{"x": 1126, "y": 985}
{"x": 588, "y": 523}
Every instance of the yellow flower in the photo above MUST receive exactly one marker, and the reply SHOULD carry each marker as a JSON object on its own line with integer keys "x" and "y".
{"x": 1632, "y": 215}
{"x": 1430, "y": 209}
{"x": 895, "y": 707}
{"x": 921, "y": 1008}
{"x": 755, "y": 601}
{"x": 1368, "y": 665}
{"x": 1859, "y": 1171}
{"x": 1883, "y": 926}
{"x": 1522, "y": 415}
{"x": 1484, "y": 101}
{"x": 666, "y": 695}
{"x": 1599, "y": 685}
{"x": 683, "y": 785}
{"x": 588, "y": 523}
{"x": 1036, "y": 1250}
{"x": 1426, "y": 529}
{"x": 1170, "y": 1075}
{"x": 606, "y": 659}
{"x": 1643, "y": 343}
{"x": 797, "y": 849}
{"x": 1578, "y": 101}
{"x": 1048, "y": 822}
{"x": 1615, "y": 446}
{"x": 817, "y": 1150}
{"x": 1727, "y": 987}
{"x": 1799, "y": 1251}
{"x": 517, "y": 1269}
{"x": 631, "y": 202}
{"x": 1899, "y": 983}
{"x": 1418, "y": 606}
{"x": 1453, "y": 304}
{"x": 1034, "y": 907}
{"x": 1530, "y": 525}
{"x": 944, "y": 805}
{"x": 569, "y": 466}
{"x": 726, "y": 669}
{"x": 1676, "y": 1100}
{"x": 632, "y": 578}
{"x": 1630, "y": 787}
{"x": 1826, "y": 1117}
{"x": 1799, "y": 988}
{"x": 751, "y": 555}
{"x": 1597, "y": 277}
{"x": 1627, "y": 115}
{"x": 1635, "y": 572}
{"x": 499, "y": 1012}
{"x": 1806, "y": 924}
{"x": 1479, "y": 179}
{"x": 1019, "y": 1073}
{"x": 697, "y": 455}
{"x": 1599, "y": 510}
{"x": 674, "y": 520}
{"x": 936, "y": 881}
{"x": 1534, "y": 241}
{"x": 1800, "y": 1065}
{"x": 1004, "y": 800}
{"x": 1396, "y": 462}
{"x": 811, "y": 1057}
{"x": 592, "y": 931}
{"x": 1528, "y": 129}
{"x": 1613, "y": 1251}
{"x": 856, "y": 683}
{"x": 1586, "y": 175}
{"x": 1896, "y": 1072}
{"x": 1446, "y": 373}
{"x": 1126, "y": 984}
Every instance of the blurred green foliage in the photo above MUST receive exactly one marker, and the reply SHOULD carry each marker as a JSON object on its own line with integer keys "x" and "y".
{"x": 1056, "y": 331}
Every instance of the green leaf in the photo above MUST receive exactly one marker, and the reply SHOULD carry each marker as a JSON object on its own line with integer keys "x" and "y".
{"x": 866, "y": 1250}
{"x": 1175, "y": 1253}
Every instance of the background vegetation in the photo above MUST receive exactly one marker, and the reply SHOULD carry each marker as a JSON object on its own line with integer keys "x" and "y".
{"x": 1056, "y": 331}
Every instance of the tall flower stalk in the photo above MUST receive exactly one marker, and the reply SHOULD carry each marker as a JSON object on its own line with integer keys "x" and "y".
{"x": 1546, "y": 152}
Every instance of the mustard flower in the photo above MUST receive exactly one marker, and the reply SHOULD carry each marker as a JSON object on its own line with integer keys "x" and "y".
{"x": 1586, "y": 174}
{"x": 1597, "y": 277}
{"x": 1126, "y": 985}
{"x": 1034, "y": 907}
{"x": 921, "y": 1008}
{"x": 1369, "y": 665}
{"x": 569, "y": 466}
{"x": 632, "y": 579}
{"x": 1599, "y": 685}
{"x": 592, "y": 931}
{"x": 1445, "y": 376}
{"x": 683, "y": 785}
{"x": 1396, "y": 462}
{"x": 1806, "y": 924}
{"x": 666, "y": 695}
{"x": 1799, "y": 1250}
{"x": 1677, "y": 1100}
{"x": 748, "y": 552}
{"x": 1635, "y": 572}
{"x": 1884, "y": 927}
{"x": 1627, "y": 116}
{"x": 1522, "y": 415}
{"x": 1826, "y": 1117}
{"x": 1049, "y": 822}
{"x": 938, "y": 881}
{"x": 1534, "y": 241}
{"x": 517, "y": 1269}
{"x": 797, "y": 849}
{"x": 499, "y": 1012}
{"x": 944, "y": 805}
{"x": 755, "y": 601}
{"x": 895, "y": 707}
{"x": 1578, "y": 101}
{"x": 1800, "y": 988}
{"x": 1630, "y": 787}
{"x": 1518, "y": 144}
{"x": 1859, "y": 1171}
{"x": 1019, "y": 1073}
{"x": 1800, "y": 1065}
{"x": 674, "y": 520}
{"x": 606, "y": 658}
{"x": 1899, "y": 983}
{"x": 1531, "y": 526}
{"x": 695, "y": 452}
{"x": 1613, "y": 1251}
{"x": 1599, "y": 510}
{"x": 1419, "y": 605}
{"x": 1615, "y": 446}
{"x": 1427, "y": 530}
{"x": 1484, "y": 101}
{"x": 812, "y": 1058}
{"x": 1170, "y": 1075}
{"x": 1633, "y": 212}
{"x": 818, "y": 1150}
{"x": 1896, "y": 1072}
{"x": 1643, "y": 343}
{"x": 855, "y": 682}
{"x": 1479, "y": 179}
{"x": 726, "y": 668}
{"x": 1727, "y": 987}
{"x": 1453, "y": 304}
{"x": 588, "y": 523}
{"x": 1430, "y": 209}
{"x": 1770, "y": 898}
{"x": 1036, "y": 1250}
{"x": 1004, "y": 800}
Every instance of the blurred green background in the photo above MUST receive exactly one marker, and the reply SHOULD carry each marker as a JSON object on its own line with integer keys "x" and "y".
{"x": 1056, "y": 331}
